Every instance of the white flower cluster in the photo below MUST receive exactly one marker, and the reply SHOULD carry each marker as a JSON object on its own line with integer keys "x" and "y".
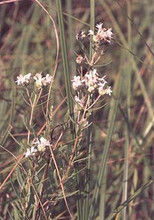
{"x": 40, "y": 81}
{"x": 23, "y": 80}
{"x": 39, "y": 146}
{"x": 102, "y": 35}
{"x": 91, "y": 82}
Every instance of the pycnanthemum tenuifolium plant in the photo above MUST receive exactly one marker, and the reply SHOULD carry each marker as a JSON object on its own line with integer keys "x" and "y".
{"x": 40, "y": 143}
{"x": 39, "y": 81}
{"x": 88, "y": 83}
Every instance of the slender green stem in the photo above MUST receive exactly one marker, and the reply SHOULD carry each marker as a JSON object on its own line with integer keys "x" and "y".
{"x": 31, "y": 117}
{"x": 70, "y": 35}
{"x": 127, "y": 135}
{"x": 125, "y": 173}
{"x": 69, "y": 98}
{"x": 92, "y": 23}
{"x": 103, "y": 196}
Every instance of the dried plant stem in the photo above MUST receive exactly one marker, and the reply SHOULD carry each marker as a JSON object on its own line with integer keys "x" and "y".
{"x": 33, "y": 105}
{"x": 61, "y": 183}
{"x": 57, "y": 52}
{"x": 13, "y": 169}
{"x": 9, "y": 1}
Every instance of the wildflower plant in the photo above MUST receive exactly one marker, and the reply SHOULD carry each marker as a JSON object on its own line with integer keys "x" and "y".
{"x": 55, "y": 135}
{"x": 39, "y": 146}
{"x": 90, "y": 85}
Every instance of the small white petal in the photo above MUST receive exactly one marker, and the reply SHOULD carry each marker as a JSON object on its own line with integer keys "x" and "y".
{"x": 108, "y": 91}
{"x": 99, "y": 26}
{"x": 90, "y": 32}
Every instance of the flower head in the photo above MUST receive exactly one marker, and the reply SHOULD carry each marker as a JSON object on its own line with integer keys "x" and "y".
{"x": 103, "y": 35}
{"x": 91, "y": 80}
{"x": 38, "y": 80}
{"x": 41, "y": 81}
{"x": 30, "y": 151}
{"x": 47, "y": 79}
{"x": 103, "y": 91}
{"x": 108, "y": 91}
{"x": 76, "y": 82}
{"x": 23, "y": 80}
{"x": 41, "y": 144}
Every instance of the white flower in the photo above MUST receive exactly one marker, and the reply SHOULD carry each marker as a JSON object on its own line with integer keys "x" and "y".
{"x": 99, "y": 27}
{"x": 91, "y": 88}
{"x": 22, "y": 80}
{"x": 106, "y": 35}
{"x": 41, "y": 144}
{"x": 91, "y": 80}
{"x": 102, "y": 35}
{"x": 30, "y": 152}
{"x": 91, "y": 77}
{"x": 47, "y": 79}
{"x": 108, "y": 91}
{"x": 42, "y": 81}
{"x": 103, "y": 91}
{"x": 39, "y": 80}
{"x": 109, "y": 33}
{"x": 76, "y": 82}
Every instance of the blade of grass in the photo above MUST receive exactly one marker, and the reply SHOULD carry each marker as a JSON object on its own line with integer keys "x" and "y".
{"x": 125, "y": 172}
{"x": 69, "y": 96}
{"x": 139, "y": 33}
{"x": 70, "y": 31}
{"x": 103, "y": 196}
{"x": 65, "y": 60}
{"x": 92, "y": 22}
{"x": 12, "y": 113}
{"x": 127, "y": 135}
{"x": 124, "y": 204}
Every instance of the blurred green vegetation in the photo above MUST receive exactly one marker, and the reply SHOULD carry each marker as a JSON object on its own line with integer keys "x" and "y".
{"x": 122, "y": 130}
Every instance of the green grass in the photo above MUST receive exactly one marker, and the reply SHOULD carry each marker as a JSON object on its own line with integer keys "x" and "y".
{"x": 116, "y": 150}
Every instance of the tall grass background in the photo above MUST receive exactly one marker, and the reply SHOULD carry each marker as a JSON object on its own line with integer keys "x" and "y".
{"x": 112, "y": 177}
